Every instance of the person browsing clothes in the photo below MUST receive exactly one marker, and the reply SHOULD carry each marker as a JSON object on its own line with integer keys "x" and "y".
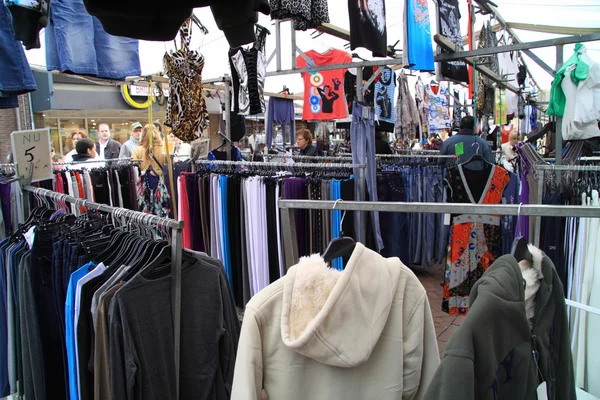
{"x": 135, "y": 134}
{"x": 465, "y": 144}
{"x": 304, "y": 142}
{"x": 106, "y": 148}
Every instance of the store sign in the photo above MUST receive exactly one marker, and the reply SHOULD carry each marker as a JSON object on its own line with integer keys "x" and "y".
{"x": 136, "y": 90}
{"x": 32, "y": 152}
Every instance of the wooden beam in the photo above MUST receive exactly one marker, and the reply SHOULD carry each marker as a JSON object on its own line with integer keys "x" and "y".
{"x": 495, "y": 28}
{"x": 447, "y": 44}
{"x": 457, "y": 54}
{"x": 557, "y": 30}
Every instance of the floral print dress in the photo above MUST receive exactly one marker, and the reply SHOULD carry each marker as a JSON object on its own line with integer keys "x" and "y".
{"x": 153, "y": 197}
{"x": 475, "y": 240}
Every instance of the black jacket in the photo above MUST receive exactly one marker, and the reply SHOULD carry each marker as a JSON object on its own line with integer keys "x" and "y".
{"x": 490, "y": 357}
{"x": 309, "y": 150}
{"x": 81, "y": 157}
{"x": 112, "y": 150}
{"x": 138, "y": 19}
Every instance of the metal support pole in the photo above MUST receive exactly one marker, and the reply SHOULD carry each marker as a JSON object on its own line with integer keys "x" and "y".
{"x": 176, "y": 261}
{"x": 359, "y": 82}
{"x": 228, "y": 116}
{"x": 538, "y": 220}
{"x": 288, "y": 221}
{"x": 278, "y": 44}
{"x": 362, "y": 232}
{"x": 558, "y": 134}
{"x": 293, "y": 46}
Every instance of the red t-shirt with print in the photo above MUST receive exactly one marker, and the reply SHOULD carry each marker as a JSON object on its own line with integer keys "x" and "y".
{"x": 324, "y": 97}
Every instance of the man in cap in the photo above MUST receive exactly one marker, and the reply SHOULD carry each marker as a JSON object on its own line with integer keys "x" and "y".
{"x": 135, "y": 134}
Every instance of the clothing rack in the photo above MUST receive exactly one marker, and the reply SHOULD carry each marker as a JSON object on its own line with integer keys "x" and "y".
{"x": 153, "y": 221}
{"x": 540, "y": 189}
{"x": 129, "y": 160}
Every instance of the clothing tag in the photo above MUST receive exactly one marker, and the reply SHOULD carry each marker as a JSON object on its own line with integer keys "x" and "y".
{"x": 447, "y": 219}
{"x": 542, "y": 391}
{"x": 365, "y": 112}
{"x": 459, "y": 148}
{"x": 29, "y": 236}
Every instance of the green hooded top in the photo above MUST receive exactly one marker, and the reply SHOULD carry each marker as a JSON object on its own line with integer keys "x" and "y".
{"x": 491, "y": 355}
{"x": 556, "y": 106}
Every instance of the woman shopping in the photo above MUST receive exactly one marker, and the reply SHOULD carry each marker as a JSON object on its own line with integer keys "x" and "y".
{"x": 155, "y": 159}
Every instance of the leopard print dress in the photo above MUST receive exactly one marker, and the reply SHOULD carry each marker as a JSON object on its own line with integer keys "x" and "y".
{"x": 186, "y": 109}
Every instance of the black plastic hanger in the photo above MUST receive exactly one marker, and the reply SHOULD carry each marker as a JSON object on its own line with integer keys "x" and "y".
{"x": 520, "y": 250}
{"x": 339, "y": 247}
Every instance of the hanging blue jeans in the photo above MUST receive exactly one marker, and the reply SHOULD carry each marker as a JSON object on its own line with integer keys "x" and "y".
{"x": 362, "y": 136}
{"x": 430, "y": 187}
{"x": 394, "y": 226}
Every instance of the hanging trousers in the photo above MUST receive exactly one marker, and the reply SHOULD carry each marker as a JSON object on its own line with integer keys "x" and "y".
{"x": 362, "y": 135}
{"x": 282, "y": 112}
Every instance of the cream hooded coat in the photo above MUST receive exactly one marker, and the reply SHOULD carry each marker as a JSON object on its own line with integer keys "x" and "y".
{"x": 317, "y": 333}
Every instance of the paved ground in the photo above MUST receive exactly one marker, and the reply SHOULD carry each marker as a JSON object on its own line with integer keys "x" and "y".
{"x": 445, "y": 324}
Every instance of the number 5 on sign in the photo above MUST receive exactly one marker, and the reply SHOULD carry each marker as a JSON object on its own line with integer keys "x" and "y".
{"x": 31, "y": 149}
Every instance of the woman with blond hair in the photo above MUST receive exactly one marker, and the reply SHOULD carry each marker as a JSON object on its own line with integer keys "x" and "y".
{"x": 155, "y": 159}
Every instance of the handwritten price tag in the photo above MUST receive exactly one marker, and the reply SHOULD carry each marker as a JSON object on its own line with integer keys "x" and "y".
{"x": 31, "y": 149}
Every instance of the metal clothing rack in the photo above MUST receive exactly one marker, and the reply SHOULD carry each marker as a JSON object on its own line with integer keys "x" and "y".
{"x": 153, "y": 221}
{"x": 129, "y": 160}
{"x": 285, "y": 166}
{"x": 540, "y": 188}
{"x": 289, "y": 225}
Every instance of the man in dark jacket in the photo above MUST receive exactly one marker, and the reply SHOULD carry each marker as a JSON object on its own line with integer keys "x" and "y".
{"x": 106, "y": 147}
{"x": 465, "y": 144}
{"x": 515, "y": 337}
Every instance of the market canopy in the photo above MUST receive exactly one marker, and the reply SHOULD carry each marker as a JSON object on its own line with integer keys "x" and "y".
{"x": 532, "y": 20}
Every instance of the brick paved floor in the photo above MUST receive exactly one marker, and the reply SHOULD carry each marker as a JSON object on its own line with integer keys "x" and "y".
{"x": 445, "y": 324}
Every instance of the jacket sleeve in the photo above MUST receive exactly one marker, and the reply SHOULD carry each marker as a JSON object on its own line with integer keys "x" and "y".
{"x": 124, "y": 153}
{"x": 421, "y": 355}
{"x": 248, "y": 376}
{"x": 454, "y": 379}
{"x": 228, "y": 344}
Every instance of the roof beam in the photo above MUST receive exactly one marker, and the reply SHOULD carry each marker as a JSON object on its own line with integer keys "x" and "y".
{"x": 448, "y": 45}
{"x": 557, "y": 30}
{"x": 458, "y": 54}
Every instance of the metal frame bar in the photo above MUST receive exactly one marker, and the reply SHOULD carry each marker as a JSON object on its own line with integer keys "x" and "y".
{"x": 280, "y": 165}
{"x": 97, "y": 161}
{"x": 176, "y": 254}
{"x": 383, "y": 62}
{"x": 287, "y": 208}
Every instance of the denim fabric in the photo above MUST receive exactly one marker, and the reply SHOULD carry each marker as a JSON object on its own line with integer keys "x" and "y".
{"x": 77, "y": 43}
{"x": 362, "y": 135}
{"x": 394, "y": 226}
{"x": 441, "y": 240}
{"x": 16, "y": 77}
{"x": 50, "y": 333}
{"x": 417, "y": 218}
{"x": 430, "y": 187}
{"x": 8, "y": 102}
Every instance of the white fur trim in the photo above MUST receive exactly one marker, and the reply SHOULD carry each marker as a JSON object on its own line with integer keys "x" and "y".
{"x": 312, "y": 286}
{"x": 532, "y": 273}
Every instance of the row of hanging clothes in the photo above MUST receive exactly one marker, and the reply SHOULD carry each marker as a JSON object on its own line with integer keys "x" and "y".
{"x": 233, "y": 214}
{"x": 86, "y": 309}
{"x": 11, "y": 201}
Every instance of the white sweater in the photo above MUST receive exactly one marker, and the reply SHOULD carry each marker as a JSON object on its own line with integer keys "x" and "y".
{"x": 317, "y": 333}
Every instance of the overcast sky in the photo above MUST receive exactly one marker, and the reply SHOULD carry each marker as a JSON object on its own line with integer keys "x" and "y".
{"x": 579, "y": 13}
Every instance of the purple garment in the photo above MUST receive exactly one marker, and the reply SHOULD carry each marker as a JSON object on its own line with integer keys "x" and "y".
{"x": 282, "y": 112}
{"x": 509, "y": 222}
{"x": 5, "y": 198}
{"x": 295, "y": 189}
{"x": 523, "y": 223}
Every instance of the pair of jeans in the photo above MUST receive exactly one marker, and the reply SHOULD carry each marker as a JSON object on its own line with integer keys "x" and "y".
{"x": 52, "y": 338}
{"x": 416, "y": 219}
{"x": 394, "y": 226}
{"x": 442, "y": 230}
{"x": 16, "y": 77}
{"x": 77, "y": 43}
{"x": 430, "y": 187}
{"x": 362, "y": 135}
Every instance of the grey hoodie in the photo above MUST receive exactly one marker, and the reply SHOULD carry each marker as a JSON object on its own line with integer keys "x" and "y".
{"x": 491, "y": 355}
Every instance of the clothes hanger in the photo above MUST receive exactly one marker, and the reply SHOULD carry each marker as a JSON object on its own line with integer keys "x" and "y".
{"x": 339, "y": 247}
{"x": 476, "y": 157}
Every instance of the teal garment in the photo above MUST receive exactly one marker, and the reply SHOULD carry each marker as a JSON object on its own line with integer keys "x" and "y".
{"x": 223, "y": 183}
{"x": 558, "y": 100}
{"x": 336, "y": 263}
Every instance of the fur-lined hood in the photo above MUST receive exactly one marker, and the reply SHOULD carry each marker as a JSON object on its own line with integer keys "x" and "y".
{"x": 336, "y": 317}
{"x": 532, "y": 274}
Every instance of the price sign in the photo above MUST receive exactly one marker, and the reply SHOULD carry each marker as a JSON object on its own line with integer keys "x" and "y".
{"x": 32, "y": 150}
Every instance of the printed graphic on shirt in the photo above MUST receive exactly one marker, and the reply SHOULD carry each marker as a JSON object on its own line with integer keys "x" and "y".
{"x": 367, "y": 26}
{"x": 419, "y": 49}
{"x": 449, "y": 23}
{"x": 324, "y": 90}
{"x": 384, "y": 95}
{"x": 437, "y": 98}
